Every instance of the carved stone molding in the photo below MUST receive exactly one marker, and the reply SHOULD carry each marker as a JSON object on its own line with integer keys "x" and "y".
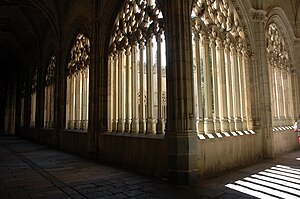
{"x": 80, "y": 55}
{"x": 50, "y": 72}
{"x": 259, "y": 15}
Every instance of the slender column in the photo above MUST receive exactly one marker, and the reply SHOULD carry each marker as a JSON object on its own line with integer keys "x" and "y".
{"x": 151, "y": 121}
{"x": 208, "y": 120}
{"x": 52, "y": 105}
{"x": 242, "y": 84}
{"x": 200, "y": 121}
{"x": 249, "y": 122}
{"x": 134, "y": 72}
{"x": 115, "y": 93}
{"x": 284, "y": 99}
{"x": 215, "y": 81}
{"x": 49, "y": 104}
{"x": 222, "y": 86}
{"x": 142, "y": 110}
{"x": 128, "y": 90}
{"x": 121, "y": 105}
{"x": 290, "y": 93}
{"x": 279, "y": 94}
{"x": 161, "y": 120}
{"x": 84, "y": 101}
{"x": 87, "y": 79}
{"x": 235, "y": 89}
{"x": 275, "y": 94}
{"x": 229, "y": 84}
{"x": 77, "y": 101}
{"x": 110, "y": 92}
{"x": 72, "y": 104}
{"x": 271, "y": 89}
{"x": 46, "y": 107}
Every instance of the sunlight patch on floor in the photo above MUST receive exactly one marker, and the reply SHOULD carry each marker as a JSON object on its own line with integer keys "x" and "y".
{"x": 276, "y": 182}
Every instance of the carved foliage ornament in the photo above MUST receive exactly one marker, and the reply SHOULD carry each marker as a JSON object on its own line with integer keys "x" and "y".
{"x": 137, "y": 22}
{"x": 50, "y": 73}
{"x": 218, "y": 15}
{"x": 80, "y": 55}
{"x": 276, "y": 47}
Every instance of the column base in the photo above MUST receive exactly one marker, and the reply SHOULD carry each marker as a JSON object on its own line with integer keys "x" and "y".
{"x": 217, "y": 125}
{"x": 161, "y": 126}
{"x": 238, "y": 124}
{"x": 142, "y": 127}
{"x": 151, "y": 126}
{"x": 183, "y": 167}
{"x": 115, "y": 125}
{"x": 135, "y": 126}
{"x": 121, "y": 125}
{"x": 128, "y": 125}
{"x": 200, "y": 126}
{"x": 224, "y": 124}
{"x": 244, "y": 121}
{"x": 231, "y": 124}
{"x": 209, "y": 125}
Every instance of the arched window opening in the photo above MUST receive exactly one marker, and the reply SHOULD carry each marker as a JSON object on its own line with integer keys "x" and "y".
{"x": 78, "y": 85}
{"x": 137, "y": 70}
{"x": 49, "y": 93}
{"x": 281, "y": 69}
{"x": 220, "y": 62}
{"x": 33, "y": 99}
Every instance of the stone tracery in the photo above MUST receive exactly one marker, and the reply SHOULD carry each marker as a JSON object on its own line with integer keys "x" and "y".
{"x": 78, "y": 84}
{"x": 137, "y": 68}
{"x": 281, "y": 70}
{"x": 49, "y": 93}
{"x": 220, "y": 67}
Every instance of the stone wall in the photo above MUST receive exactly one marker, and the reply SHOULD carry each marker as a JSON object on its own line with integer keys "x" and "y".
{"x": 144, "y": 154}
{"x": 221, "y": 154}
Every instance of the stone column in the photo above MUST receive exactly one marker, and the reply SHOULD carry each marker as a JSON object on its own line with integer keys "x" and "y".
{"x": 242, "y": 83}
{"x": 290, "y": 100}
{"x": 229, "y": 84}
{"x": 264, "y": 100}
{"x": 142, "y": 111}
{"x": 181, "y": 135}
{"x": 121, "y": 104}
{"x": 115, "y": 93}
{"x": 161, "y": 120}
{"x": 247, "y": 93}
{"x": 284, "y": 97}
{"x": 222, "y": 86}
{"x": 134, "y": 72}
{"x": 275, "y": 94}
{"x": 46, "y": 107}
{"x": 212, "y": 43}
{"x": 151, "y": 122}
{"x": 72, "y": 104}
{"x": 208, "y": 120}
{"x": 110, "y": 93}
{"x": 128, "y": 90}
{"x": 279, "y": 94}
{"x": 200, "y": 121}
{"x": 235, "y": 89}
{"x": 83, "y": 101}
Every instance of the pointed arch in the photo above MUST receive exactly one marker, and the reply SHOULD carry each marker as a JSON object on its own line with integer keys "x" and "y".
{"x": 137, "y": 85}
{"x": 77, "y": 74}
{"x": 281, "y": 62}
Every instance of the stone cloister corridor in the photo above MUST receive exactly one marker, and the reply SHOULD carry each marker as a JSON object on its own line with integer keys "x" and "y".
{"x": 161, "y": 96}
